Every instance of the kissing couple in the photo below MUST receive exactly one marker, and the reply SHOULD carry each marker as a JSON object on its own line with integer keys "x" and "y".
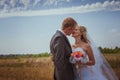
{"x": 92, "y": 66}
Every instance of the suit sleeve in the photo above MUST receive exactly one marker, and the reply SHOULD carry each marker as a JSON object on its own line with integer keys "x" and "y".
{"x": 59, "y": 53}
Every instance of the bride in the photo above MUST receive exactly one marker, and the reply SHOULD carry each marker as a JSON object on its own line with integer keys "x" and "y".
{"x": 93, "y": 66}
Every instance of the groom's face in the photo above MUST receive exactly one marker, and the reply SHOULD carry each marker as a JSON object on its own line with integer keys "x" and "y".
{"x": 69, "y": 30}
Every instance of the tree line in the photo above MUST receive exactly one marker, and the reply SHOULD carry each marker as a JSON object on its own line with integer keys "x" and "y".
{"x": 105, "y": 50}
{"x": 45, "y": 54}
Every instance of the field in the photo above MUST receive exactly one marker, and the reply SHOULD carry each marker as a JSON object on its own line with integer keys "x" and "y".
{"x": 40, "y": 68}
{"x": 26, "y": 69}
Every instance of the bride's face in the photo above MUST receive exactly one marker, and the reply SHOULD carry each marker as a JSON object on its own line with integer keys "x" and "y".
{"x": 76, "y": 32}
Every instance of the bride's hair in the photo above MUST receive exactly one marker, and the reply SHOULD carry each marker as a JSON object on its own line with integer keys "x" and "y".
{"x": 83, "y": 30}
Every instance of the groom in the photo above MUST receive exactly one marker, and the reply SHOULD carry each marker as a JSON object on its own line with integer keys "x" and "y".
{"x": 61, "y": 50}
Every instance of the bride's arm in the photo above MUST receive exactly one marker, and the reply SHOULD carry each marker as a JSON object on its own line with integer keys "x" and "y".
{"x": 90, "y": 55}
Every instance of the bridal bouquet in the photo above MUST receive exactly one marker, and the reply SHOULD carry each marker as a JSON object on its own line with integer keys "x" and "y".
{"x": 76, "y": 57}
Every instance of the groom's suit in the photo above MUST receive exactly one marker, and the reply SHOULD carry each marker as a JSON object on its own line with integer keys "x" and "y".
{"x": 61, "y": 50}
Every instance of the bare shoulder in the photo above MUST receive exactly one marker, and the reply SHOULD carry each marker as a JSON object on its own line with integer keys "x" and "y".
{"x": 87, "y": 46}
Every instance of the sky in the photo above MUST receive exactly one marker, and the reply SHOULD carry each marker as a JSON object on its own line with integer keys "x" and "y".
{"x": 26, "y": 26}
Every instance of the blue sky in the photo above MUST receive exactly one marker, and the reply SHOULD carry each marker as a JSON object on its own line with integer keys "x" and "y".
{"x": 26, "y": 26}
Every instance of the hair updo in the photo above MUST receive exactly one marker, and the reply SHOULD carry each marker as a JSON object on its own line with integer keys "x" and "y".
{"x": 83, "y": 30}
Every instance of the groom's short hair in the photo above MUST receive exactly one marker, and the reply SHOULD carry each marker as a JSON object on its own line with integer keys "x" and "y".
{"x": 68, "y": 22}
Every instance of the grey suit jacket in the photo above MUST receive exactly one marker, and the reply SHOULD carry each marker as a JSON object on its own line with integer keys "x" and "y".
{"x": 61, "y": 50}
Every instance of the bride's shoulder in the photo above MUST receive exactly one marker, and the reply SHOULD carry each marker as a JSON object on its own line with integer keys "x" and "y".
{"x": 88, "y": 46}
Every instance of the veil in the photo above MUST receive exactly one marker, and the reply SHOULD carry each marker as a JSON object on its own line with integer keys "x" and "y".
{"x": 101, "y": 67}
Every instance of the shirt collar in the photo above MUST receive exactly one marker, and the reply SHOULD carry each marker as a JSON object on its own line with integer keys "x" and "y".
{"x": 62, "y": 32}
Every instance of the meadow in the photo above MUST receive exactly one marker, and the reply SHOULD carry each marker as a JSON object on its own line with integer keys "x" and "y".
{"x": 39, "y": 68}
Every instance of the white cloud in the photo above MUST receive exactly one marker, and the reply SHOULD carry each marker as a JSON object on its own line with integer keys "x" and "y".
{"x": 50, "y": 2}
{"x": 55, "y": 2}
{"x": 13, "y": 2}
{"x": 21, "y": 11}
{"x": 37, "y": 2}
{"x": 27, "y": 3}
{"x": 2, "y": 2}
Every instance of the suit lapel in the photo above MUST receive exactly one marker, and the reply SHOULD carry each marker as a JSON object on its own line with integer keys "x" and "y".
{"x": 66, "y": 39}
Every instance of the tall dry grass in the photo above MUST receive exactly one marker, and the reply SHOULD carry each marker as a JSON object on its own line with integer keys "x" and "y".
{"x": 114, "y": 61}
{"x": 26, "y": 69}
{"x": 39, "y": 68}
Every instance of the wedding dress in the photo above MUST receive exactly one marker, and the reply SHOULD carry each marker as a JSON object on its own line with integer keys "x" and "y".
{"x": 100, "y": 71}
{"x": 87, "y": 72}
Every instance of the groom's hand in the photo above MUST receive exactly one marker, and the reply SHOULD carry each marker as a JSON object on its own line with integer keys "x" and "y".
{"x": 52, "y": 58}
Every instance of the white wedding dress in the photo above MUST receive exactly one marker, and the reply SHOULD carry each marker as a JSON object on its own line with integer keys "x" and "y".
{"x": 95, "y": 72}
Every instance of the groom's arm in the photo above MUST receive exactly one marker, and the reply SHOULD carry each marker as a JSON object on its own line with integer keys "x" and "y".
{"x": 59, "y": 52}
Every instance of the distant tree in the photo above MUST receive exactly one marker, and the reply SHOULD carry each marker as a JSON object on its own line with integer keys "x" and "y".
{"x": 101, "y": 49}
{"x": 116, "y": 47}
